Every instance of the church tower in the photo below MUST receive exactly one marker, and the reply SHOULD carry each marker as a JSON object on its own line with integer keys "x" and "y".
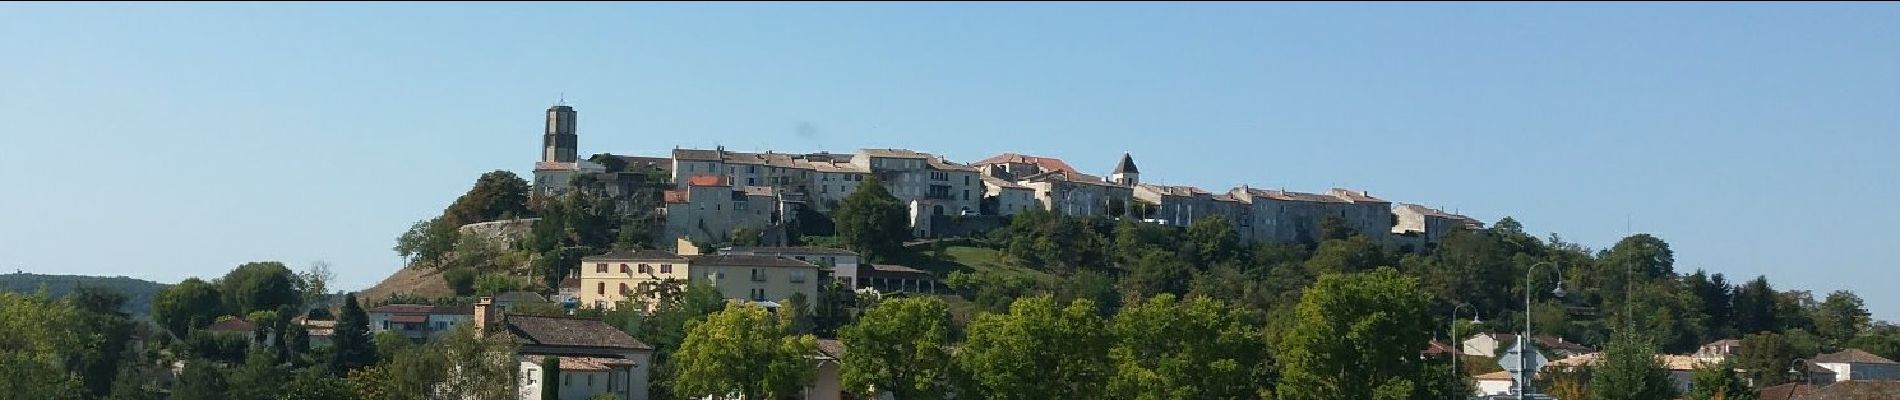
{"x": 1125, "y": 173}
{"x": 559, "y": 144}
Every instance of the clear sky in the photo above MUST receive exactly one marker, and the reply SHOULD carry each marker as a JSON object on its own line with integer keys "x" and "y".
{"x": 162, "y": 141}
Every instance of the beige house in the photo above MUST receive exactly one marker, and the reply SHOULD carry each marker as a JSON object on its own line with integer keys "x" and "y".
{"x": 1007, "y": 198}
{"x": 1176, "y": 205}
{"x": 611, "y": 278}
{"x": 708, "y": 209}
{"x": 843, "y": 264}
{"x": 1424, "y": 227}
{"x": 1286, "y": 216}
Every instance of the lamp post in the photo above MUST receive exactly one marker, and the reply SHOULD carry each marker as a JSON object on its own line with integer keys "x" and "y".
{"x": 1800, "y": 371}
{"x": 1457, "y": 352}
{"x": 1523, "y": 340}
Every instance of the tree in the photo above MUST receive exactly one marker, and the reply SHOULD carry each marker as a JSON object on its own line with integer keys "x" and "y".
{"x": 350, "y": 345}
{"x": 1755, "y": 307}
{"x": 389, "y": 343}
{"x": 1178, "y": 350}
{"x": 260, "y": 286}
{"x": 200, "y": 381}
{"x": 899, "y": 346}
{"x": 258, "y": 379}
{"x": 550, "y": 373}
{"x": 315, "y": 384}
{"x": 743, "y": 350}
{"x": 1842, "y": 317}
{"x": 1037, "y": 351}
{"x": 665, "y": 327}
{"x": 872, "y": 222}
{"x": 130, "y": 385}
{"x": 1354, "y": 254}
{"x": 316, "y": 284}
{"x": 101, "y": 320}
{"x": 1718, "y": 382}
{"x": 1356, "y": 336}
{"x": 1214, "y": 239}
{"x": 190, "y": 304}
{"x": 1157, "y": 272}
{"x": 1766, "y": 357}
{"x": 35, "y": 335}
{"x": 496, "y": 195}
{"x": 479, "y": 367}
{"x": 1717, "y": 300}
{"x": 460, "y": 280}
{"x": 1630, "y": 370}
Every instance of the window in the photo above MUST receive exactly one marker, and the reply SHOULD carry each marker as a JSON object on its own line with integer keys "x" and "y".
{"x": 751, "y": 181}
{"x": 385, "y": 324}
{"x": 440, "y": 325}
{"x": 646, "y": 269}
{"x": 757, "y": 275}
{"x": 600, "y": 268}
{"x": 966, "y": 195}
{"x": 751, "y": 169}
{"x": 623, "y": 268}
{"x": 624, "y": 290}
{"x": 567, "y": 380}
{"x": 666, "y": 268}
{"x": 966, "y": 179}
{"x": 758, "y": 294}
{"x": 798, "y": 277}
{"x": 590, "y": 380}
{"x": 603, "y": 288}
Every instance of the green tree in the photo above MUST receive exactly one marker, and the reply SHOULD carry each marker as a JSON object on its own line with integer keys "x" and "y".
{"x": 550, "y": 374}
{"x": 479, "y": 367}
{"x": 259, "y": 286}
{"x": 1356, "y": 336}
{"x": 1214, "y": 239}
{"x": 315, "y": 384}
{"x": 1718, "y": 382}
{"x": 872, "y": 222}
{"x": 1037, "y": 351}
{"x": 36, "y": 334}
{"x": 350, "y": 345}
{"x": 460, "y": 280}
{"x": 190, "y": 304}
{"x": 1157, "y": 272}
{"x": 101, "y": 320}
{"x": 743, "y": 350}
{"x": 258, "y": 379}
{"x": 1178, "y": 350}
{"x": 1766, "y": 357}
{"x": 899, "y": 346}
{"x": 1842, "y": 317}
{"x": 1755, "y": 307}
{"x": 1630, "y": 370}
{"x": 1354, "y": 254}
{"x": 131, "y": 385}
{"x": 200, "y": 381}
{"x": 496, "y": 195}
{"x": 665, "y": 327}
{"x": 389, "y": 343}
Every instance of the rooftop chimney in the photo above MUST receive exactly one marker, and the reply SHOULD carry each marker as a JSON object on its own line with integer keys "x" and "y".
{"x": 483, "y": 308}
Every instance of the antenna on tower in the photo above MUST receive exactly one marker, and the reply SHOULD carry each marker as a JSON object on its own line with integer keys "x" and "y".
{"x": 562, "y": 101}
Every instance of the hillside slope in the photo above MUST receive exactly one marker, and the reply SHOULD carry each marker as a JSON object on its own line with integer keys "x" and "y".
{"x": 138, "y": 292}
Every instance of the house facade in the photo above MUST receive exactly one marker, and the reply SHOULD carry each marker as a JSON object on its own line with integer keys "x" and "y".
{"x": 843, "y": 264}
{"x": 418, "y": 322}
{"x": 595, "y": 358}
{"x": 611, "y": 278}
{"x": 1857, "y": 365}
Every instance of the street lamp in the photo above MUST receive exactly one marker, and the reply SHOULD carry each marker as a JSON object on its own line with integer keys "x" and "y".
{"x": 1800, "y": 370}
{"x": 1457, "y": 352}
{"x": 1523, "y": 340}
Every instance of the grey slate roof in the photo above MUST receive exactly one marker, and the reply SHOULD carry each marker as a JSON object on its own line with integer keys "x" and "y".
{"x": 569, "y": 331}
{"x": 1855, "y": 356}
{"x": 1127, "y": 165}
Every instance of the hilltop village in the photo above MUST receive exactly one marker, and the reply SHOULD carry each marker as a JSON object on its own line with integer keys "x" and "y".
{"x": 705, "y": 195}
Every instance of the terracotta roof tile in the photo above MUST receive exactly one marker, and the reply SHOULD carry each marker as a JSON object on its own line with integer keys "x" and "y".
{"x": 1043, "y": 163}
{"x": 707, "y": 180}
{"x": 631, "y": 255}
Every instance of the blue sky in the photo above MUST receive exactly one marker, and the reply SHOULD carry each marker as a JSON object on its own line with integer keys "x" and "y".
{"x": 162, "y": 141}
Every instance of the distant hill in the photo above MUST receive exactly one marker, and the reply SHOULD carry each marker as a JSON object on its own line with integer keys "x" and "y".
{"x": 138, "y": 292}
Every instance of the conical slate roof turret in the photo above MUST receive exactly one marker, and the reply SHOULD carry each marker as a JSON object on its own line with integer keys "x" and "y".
{"x": 1127, "y": 166}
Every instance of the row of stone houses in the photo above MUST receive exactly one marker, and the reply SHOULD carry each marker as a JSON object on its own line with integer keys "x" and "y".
{"x": 713, "y": 192}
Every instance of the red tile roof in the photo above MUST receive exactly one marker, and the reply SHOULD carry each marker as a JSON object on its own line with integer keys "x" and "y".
{"x": 232, "y": 325}
{"x": 707, "y": 180}
{"x": 1044, "y": 163}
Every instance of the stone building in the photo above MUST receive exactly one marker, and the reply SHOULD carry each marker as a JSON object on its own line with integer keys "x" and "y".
{"x": 1175, "y": 205}
{"x": 610, "y": 278}
{"x": 1419, "y": 228}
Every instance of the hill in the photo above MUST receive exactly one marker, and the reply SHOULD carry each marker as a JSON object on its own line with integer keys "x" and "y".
{"x": 425, "y": 282}
{"x": 138, "y": 292}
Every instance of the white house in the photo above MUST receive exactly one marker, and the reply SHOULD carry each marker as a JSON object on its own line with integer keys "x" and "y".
{"x": 1857, "y": 365}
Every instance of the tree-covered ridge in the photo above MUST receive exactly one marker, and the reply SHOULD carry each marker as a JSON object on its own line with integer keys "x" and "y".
{"x": 138, "y": 292}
